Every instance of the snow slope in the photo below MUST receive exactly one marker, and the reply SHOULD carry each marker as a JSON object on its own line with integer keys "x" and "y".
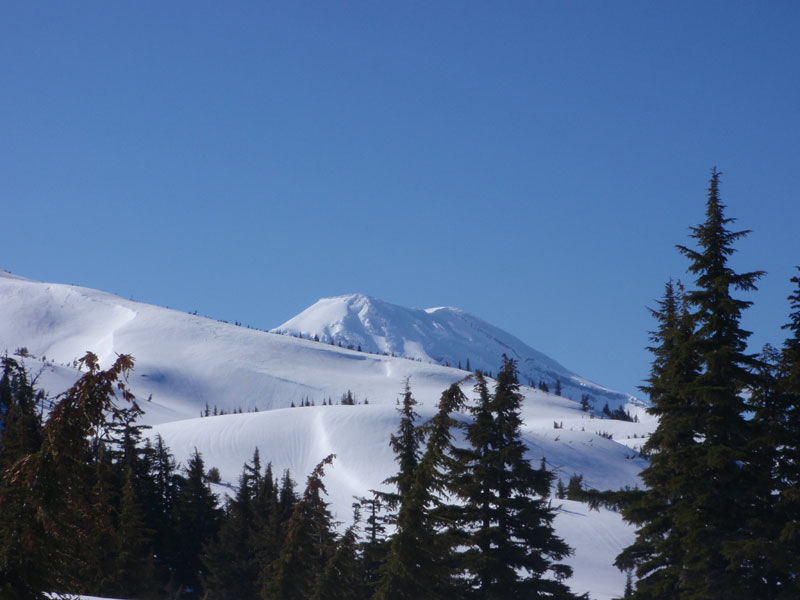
{"x": 185, "y": 361}
{"x": 298, "y": 438}
{"x": 444, "y": 335}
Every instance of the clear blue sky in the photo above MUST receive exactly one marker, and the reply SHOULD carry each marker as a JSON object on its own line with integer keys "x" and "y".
{"x": 533, "y": 163}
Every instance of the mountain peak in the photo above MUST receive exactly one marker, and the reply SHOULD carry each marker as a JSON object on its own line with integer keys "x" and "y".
{"x": 351, "y": 298}
{"x": 442, "y": 335}
{"x": 436, "y": 309}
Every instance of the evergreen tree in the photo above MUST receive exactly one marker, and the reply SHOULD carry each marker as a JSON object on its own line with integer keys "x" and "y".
{"x": 132, "y": 489}
{"x": 658, "y": 554}
{"x": 231, "y": 561}
{"x": 23, "y": 570}
{"x": 772, "y": 546}
{"x": 405, "y": 444}
{"x": 724, "y": 500}
{"x": 160, "y": 510}
{"x": 274, "y": 506}
{"x": 133, "y": 572}
{"x": 342, "y": 577}
{"x": 124, "y": 441}
{"x": 406, "y": 447}
{"x": 287, "y": 498}
{"x": 702, "y": 491}
{"x": 760, "y": 546}
{"x": 20, "y": 425}
{"x": 575, "y": 489}
{"x": 308, "y": 544}
{"x": 249, "y": 535}
{"x": 561, "y": 490}
{"x": 270, "y": 517}
{"x": 45, "y": 495}
{"x": 419, "y": 563}
{"x": 98, "y": 553}
{"x": 196, "y": 520}
{"x": 789, "y": 459}
{"x": 374, "y": 546}
{"x": 511, "y": 548}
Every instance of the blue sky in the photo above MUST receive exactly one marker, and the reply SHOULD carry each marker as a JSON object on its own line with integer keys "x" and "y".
{"x": 533, "y": 163}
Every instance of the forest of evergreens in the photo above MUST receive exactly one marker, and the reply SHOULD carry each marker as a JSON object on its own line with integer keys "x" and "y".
{"x": 88, "y": 505}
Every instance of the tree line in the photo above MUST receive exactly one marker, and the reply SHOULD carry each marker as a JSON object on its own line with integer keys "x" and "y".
{"x": 87, "y": 506}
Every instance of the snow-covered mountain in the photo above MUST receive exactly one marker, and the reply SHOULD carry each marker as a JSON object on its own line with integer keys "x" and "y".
{"x": 187, "y": 362}
{"x": 443, "y": 335}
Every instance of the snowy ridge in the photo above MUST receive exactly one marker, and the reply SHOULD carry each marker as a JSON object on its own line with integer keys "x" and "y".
{"x": 442, "y": 335}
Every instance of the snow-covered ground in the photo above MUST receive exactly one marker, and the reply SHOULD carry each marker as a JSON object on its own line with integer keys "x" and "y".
{"x": 186, "y": 362}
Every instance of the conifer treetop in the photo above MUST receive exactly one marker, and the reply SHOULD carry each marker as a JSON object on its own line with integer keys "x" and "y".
{"x": 710, "y": 264}
{"x": 793, "y": 342}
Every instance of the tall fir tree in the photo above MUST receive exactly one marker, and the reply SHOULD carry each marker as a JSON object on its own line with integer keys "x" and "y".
{"x": 702, "y": 490}
{"x": 160, "y": 510}
{"x": 657, "y": 555}
{"x": 420, "y": 563}
{"x": 511, "y": 549}
{"x": 342, "y": 578}
{"x": 724, "y": 498}
{"x": 760, "y": 547}
{"x": 133, "y": 573}
{"x": 374, "y": 545}
{"x": 98, "y": 554}
{"x": 196, "y": 518}
{"x": 273, "y": 526}
{"x": 406, "y": 447}
{"x": 273, "y": 506}
{"x": 231, "y": 560}
{"x": 23, "y": 569}
{"x": 20, "y": 423}
{"x": 788, "y": 507}
{"x": 307, "y": 546}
